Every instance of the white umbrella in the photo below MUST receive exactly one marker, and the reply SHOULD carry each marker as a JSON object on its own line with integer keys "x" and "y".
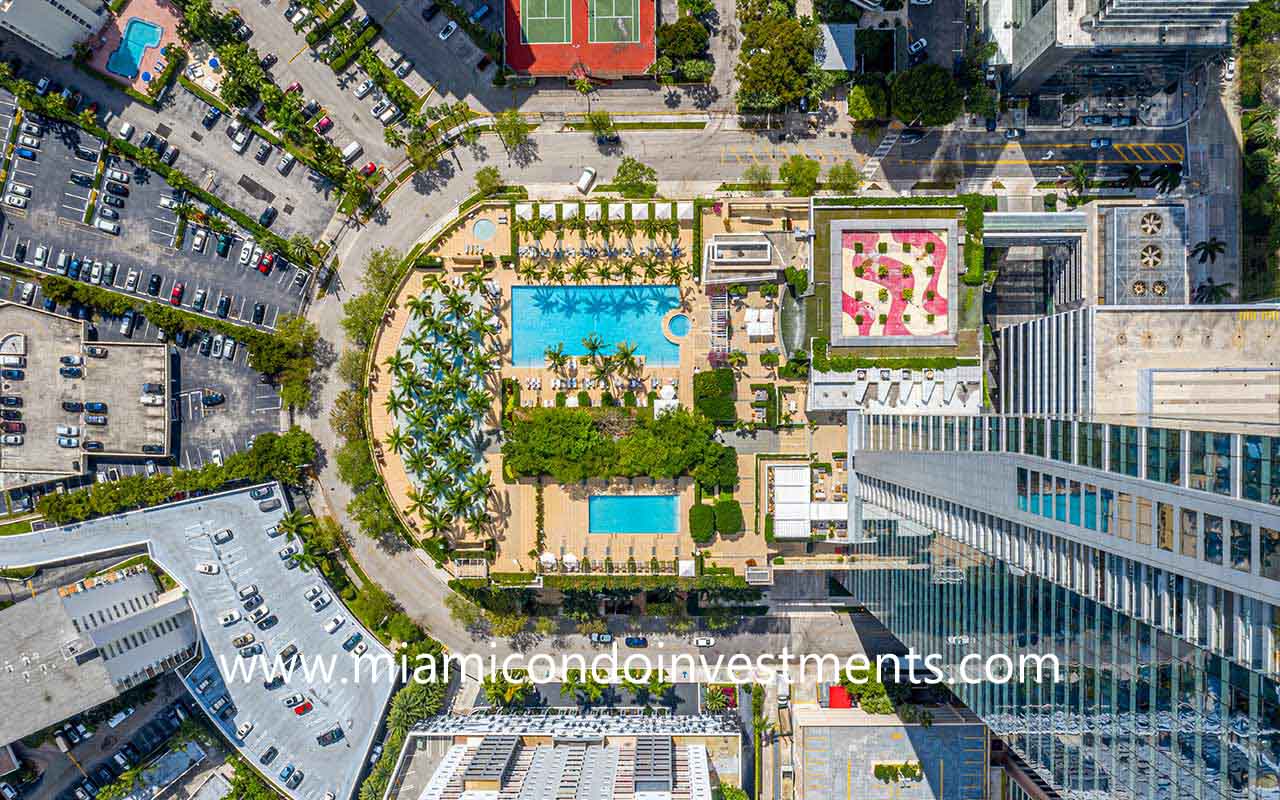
{"x": 548, "y": 560}
{"x": 570, "y": 561}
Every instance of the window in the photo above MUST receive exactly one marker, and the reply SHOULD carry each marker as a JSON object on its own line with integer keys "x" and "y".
{"x": 1124, "y": 516}
{"x": 1269, "y": 554}
{"x": 1144, "y": 520}
{"x": 1108, "y": 511}
{"x": 1241, "y": 545}
{"x": 1060, "y": 440}
{"x": 1164, "y": 526}
{"x": 993, "y": 434}
{"x": 1091, "y": 506}
{"x": 1022, "y": 489}
{"x": 979, "y": 438}
{"x": 1190, "y": 532}
{"x": 1164, "y": 455}
{"x": 1013, "y": 436}
{"x": 1124, "y": 450}
{"x": 1213, "y": 539}
{"x": 1261, "y": 469}
{"x": 1073, "y": 509}
{"x": 1035, "y": 437}
{"x": 1060, "y": 500}
{"x": 1090, "y": 439}
{"x": 1210, "y": 462}
{"x": 1035, "y": 492}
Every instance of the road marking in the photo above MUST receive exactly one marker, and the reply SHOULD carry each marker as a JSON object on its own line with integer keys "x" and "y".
{"x": 304, "y": 49}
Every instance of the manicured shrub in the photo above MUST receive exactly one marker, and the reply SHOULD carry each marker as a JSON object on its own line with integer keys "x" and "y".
{"x": 702, "y": 521}
{"x": 728, "y": 515}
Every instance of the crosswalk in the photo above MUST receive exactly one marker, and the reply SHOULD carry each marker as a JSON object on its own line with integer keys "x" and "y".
{"x": 872, "y": 166}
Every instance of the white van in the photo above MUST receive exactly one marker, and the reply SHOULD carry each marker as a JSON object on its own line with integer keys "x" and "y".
{"x": 587, "y": 178}
{"x": 64, "y": 259}
{"x": 108, "y": 226}
{"x": 13, "y": 362}
{"x": 126, "y": 131}
{"x": 351, "y": 152}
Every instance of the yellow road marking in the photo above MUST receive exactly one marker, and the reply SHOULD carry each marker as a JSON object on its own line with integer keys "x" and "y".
{"x": 304, "y": 49}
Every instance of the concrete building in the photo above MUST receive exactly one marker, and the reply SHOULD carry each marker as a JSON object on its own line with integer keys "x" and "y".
{"x": 79, "y": 646}
{"x": 543, "y": 754}
{"x": 1091, "y": 46}
{"x": 53, "y": 25}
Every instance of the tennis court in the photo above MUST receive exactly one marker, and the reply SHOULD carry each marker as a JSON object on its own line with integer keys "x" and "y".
{"x": 545, "y": 21}
{"x": 614, "y": 21}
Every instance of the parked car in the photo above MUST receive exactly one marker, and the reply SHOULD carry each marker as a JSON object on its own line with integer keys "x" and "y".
{"x": 323, "y": 125}
{"x": 1099, "y": 142}
{"x": 364, "y": 88}
{"x": 636, "y": 641}
{"x": 917, "y": 45}
{"x": 267, "y": 216}
{"x": 448, "y": 30}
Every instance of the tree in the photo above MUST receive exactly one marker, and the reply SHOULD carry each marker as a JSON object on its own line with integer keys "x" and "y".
{"x": 1133, "y": 177}
{"x": 463, "y": 611}
{"x": 758, "y": 176}
{"x": 600, "y": 122}
{"x": 1167, "y": 177}
{"x": 1209, "y": 250}
{"x": 1211, "y": 292}
{"x": 488, "y": 180}
{"x": 868, "y": 101}
{"x": 800, "y": 174}
{"x": 505, "y": 693}
{"x": 634, "y": 177}
{"x": 696, "y": 8}
{"x": 714, "y": 700}
{"x": 697, "y": 70}
{"x": 511, "y": 129}
{"x": 926, "y": 95}
{"x": 1080, "y": 178}
{"x": 773, "y": 68}
{"x": 685, "y": 38}
{"x": 844, "y": 178}
{"x": 393, "y": 137}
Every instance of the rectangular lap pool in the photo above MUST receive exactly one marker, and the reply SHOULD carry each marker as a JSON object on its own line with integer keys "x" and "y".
{"x": 546, "y": 316}
{"x": 638, "y": 513}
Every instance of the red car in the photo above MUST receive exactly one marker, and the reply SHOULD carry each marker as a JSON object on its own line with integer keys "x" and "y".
{"x": 302, "y": 708}
{"x": 265, "y": 263}
{"x": 368, "y": 169}
{"x": 324, "y": 125}
{"x": 175, "y": 299}
{"x": 293, "y": 87}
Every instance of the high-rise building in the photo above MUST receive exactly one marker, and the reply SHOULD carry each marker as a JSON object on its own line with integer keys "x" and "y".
{"x": 1133, "y": 46}
{"x": 53, "y": 25}
{"x": 1124, "y": 516}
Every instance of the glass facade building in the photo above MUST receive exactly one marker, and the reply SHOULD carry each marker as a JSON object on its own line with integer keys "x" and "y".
{"x": 1145, "y": 558}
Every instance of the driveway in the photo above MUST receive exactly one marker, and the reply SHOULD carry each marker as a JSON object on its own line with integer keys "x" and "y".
{"x": 941, "y": 22}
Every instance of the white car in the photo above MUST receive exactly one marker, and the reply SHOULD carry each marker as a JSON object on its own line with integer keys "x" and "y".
{"x": 918, "y": 45}
{"x": 257, "y": 254}
{"x": 360, "y": 649}
{"x": 207, "y": 568}
{"x": 229, "y": 617}
{"x": 169, "y": 202}
{"x": 28, "y": 292}
{"x": 12, "y": 438}
{"x": 20, "y": 190}
{"x": 246, "y": 252}
{"x": 198, "y": 241}
{"x": 259, "y": 613}
{"x": 223, "y": 536}
{"x": 126, "y": 131}
{"x": 301, "y": 16}
{"x": 243, "y": 729}
{"x": 294, "y": 699}
{"x": 42, "y": 255}
{"x": 363, "y": 89}
{"x": 229, "y": 349}
{"x": 448, "y": 30}
{"x": 131, "y": 282}
{"x": 15, "y": 201}
{"x": 333, "y": 624}
{"x": 311, "y": 593}
{"x": 241, "y": 142}
{"x": 320, "y": 602}
{"x": 379, "y": 107}
{"x": 95, "y": 274}
{"x": 704, "y": 641}
{"x": 68, "y": 430}
{"x": 217, "y": 346}
{"x": 28, "y": 141}
{"x": 119, "y": 176}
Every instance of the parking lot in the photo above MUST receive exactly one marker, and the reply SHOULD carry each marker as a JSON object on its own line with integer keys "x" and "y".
{"x": 305, "y": 199}
{"x": 59, "y": 181}
{"x": 180, "y": 538}
{"x": 145, "y": 742}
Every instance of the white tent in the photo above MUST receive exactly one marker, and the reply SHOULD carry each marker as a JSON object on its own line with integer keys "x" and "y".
{"x": 593, "y": 210}
{"x": 684, "y": 210}
{"x": 570, "y": 561}
{"x": 524, "y": 210}
{"x": 548, "y": 560}
{"x": 639, "y": 211}
{"x": 568, "y": 210}
{"x": 617, "y": 212}
{"x": 547, "y": 211}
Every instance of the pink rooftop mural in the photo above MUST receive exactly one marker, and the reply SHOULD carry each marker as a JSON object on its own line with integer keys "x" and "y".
{"x": 894, "y": 283}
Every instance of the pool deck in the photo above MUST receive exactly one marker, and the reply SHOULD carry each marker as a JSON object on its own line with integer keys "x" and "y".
{"x": 159, "y": 12}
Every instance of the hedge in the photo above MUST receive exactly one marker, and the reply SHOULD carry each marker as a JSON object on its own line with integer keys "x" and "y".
{"x": 825, "y": 363}
{"x": 702, "y": 520}
{"x": 321, "y": 30}
{"x": 362, "y": 41}
{"x": 713, "y": 393}
{"x": 728, "y": 515}
{"x": 177, "y": 60}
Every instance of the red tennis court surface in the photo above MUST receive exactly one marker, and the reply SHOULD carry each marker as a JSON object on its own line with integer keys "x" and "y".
{"x": 580, "y": 57}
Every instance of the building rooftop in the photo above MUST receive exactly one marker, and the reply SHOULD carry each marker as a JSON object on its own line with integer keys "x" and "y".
{"x": 81, "y": 645}
{"x": 836, "y": 51}
{"x": 1146, "y": 255}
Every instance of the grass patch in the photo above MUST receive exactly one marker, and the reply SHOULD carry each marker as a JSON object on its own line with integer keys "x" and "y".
{"x": 645, "y": 126}
{"x": 15, "y": 528}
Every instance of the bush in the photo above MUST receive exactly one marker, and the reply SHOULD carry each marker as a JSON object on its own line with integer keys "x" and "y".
{"x": 728, "y": 514}
{"x": 362, "y": 43}
{"x": 702, "y": 522}
{"x": 683, "y": 39}
{"x": 714, "y": 383}
{"x": 797, "y": 279}
{"x": 321, "y": 30}
{"x": 584, "y": 399}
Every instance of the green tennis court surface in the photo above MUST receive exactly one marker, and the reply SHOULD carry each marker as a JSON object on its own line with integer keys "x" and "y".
{"x": 614, "y": 21}
{"x": 545, "y": 21}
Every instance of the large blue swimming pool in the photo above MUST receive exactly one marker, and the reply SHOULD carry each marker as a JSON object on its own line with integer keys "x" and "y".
{"x": 139, "y": 34}
{"x": 637, "y": 513}
{"x": 544, "y": 316}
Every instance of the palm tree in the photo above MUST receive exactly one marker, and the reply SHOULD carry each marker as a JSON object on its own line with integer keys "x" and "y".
{"x": 1210, "y": 292}
{"x": 479, "y": 401}
{"x": 627, "y": 271}
{"x": 1133, "y": 177}
{"x": 1209, "y": 250}
{"x": 1081, "y": 175}
{"x": 395, "y": 403}
{"x": 398, "y": 362}
{"x": 480, "y": 483}
{"x": 604, "y": 271}
{"x": 1167, "y": 177}
{"x": 293, "y": 523}
{"x": 393, "y": 137}
{"x": 624, "y": 355}
{"x": 419, "y": 503}
{"x": 714, "y": 700}
{"x": 416, "y": 462}
{"x": 593, "y": 344}
{"x": 602, "y": 370}
{"x": 556, "y": 357}
{"x": 474, "y": 280}
{"x": 398, "y": 440}
{"x": 420, "y": 305}
{"x": 580, "y": 272}
{"x": 675, "y": 271}
{"x": 436, "y": 522}
{"x": 506, "y": 693}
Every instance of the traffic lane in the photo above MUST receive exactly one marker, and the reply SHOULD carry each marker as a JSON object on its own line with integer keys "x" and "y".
{"x": 1039, "y": 153}
{"x": 941, "y": 22}
{"x": 305, "y": 201}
